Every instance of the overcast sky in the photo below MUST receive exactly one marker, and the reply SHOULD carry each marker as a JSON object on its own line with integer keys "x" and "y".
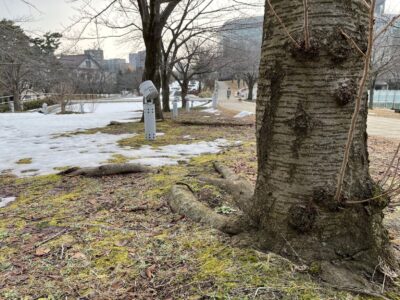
{"x": 55, "y": 15}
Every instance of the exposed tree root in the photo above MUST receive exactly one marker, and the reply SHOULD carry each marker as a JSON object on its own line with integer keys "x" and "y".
{"x": 184, "y": 202}
{"x": 240, "y": 188}
{"x": 106, "y": 170}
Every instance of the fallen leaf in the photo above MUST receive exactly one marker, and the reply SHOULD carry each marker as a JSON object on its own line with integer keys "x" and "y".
{"x": 78, "y": 255}
{"x": 42, "y": 251}
{"x": 121, "y": 243}
{"x": 92, "y": 201}
{"x": 150, "y": 270}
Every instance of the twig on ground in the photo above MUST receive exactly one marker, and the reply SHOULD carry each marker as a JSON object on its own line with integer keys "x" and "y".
{"x": 385, "y": 176}
{"x": 65, "y": 230}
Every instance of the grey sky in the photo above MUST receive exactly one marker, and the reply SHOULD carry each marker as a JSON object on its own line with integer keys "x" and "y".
{"x": 54, "y": 15}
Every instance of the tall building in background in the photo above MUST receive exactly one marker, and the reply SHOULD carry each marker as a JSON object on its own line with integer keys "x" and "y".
{"x": 115, "y": 65}
{"x": 241, "y": 41}
{"x": 137, "y": 60}
{"x": 380, "y": 7}
{"x": 97, "y": 54}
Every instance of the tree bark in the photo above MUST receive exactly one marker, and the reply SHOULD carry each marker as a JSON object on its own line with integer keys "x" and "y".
{"x": 250, "y": 84}
{"x": 184, "y": 88}
{"x": 17, "y": 101}
{"x": 371, "y": 92}
{"x": 301, "y": 134}
{"x": 165, "y": 91}
{"x": 152, "y": 63}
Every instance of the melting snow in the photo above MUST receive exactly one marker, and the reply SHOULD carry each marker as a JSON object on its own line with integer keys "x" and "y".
{"x": 36, "y": 136}
{"x": 5, "y": 201}
{"x": 243, "y": 114}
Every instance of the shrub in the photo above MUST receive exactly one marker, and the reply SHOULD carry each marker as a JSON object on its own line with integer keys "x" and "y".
{"x": 36, "y": 104}
{"x": 206, "y": 94}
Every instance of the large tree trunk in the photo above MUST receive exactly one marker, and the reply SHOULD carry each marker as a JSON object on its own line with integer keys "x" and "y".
{"x": 304, "y": 108}
{"x": 165, "y": 91}
{"x": 152, "y": 63}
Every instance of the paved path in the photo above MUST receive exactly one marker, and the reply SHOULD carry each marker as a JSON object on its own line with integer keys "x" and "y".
{"x": 377, "y": 126}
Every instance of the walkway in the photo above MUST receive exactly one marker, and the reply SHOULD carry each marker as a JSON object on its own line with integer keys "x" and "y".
{"x": 377, "y": 126}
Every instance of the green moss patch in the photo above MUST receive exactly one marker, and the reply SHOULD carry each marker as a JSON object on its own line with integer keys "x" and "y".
{"x": 24, "y": 161}
{"x": 116, "y": 238}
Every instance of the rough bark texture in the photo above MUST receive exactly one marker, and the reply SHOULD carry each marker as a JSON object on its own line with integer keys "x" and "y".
{"x": 301, "y": 136}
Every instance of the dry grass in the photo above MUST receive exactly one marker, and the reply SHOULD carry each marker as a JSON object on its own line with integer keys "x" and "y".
{"x": 116, "y": 238}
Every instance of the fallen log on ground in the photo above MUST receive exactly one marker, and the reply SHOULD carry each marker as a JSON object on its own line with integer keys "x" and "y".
{"x": 214, "y": 123}
{"x": 106, "y": 170}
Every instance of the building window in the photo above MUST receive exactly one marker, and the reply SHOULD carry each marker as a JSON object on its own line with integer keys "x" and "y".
{"x": 88, "y": 64}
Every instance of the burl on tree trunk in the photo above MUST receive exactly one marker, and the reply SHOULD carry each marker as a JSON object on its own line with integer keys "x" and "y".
{"x": 304, "y": 107}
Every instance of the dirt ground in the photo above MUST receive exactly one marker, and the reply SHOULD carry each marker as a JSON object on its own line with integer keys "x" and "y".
{"x": 386, "y": 113}
{"x": 116, "y": 238}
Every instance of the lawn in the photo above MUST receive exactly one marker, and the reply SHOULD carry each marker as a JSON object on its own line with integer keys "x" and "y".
{"x": 116, "y": 238}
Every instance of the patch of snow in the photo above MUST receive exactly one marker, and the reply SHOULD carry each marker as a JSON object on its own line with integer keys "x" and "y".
{"x": 210, "y": 111}
{"x": 5, "y": 201}
{"x": 244, "y": 114}
{"x": 37, "y": 136}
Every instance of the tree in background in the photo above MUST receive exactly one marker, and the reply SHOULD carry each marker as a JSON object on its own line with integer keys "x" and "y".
{"x": 195, "y": 60}
{"x": 385, "y": 60}
{"x": 19, "y": 61}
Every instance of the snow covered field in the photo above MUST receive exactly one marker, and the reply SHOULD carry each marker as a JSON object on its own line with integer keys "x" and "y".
{"x": 34, "y": 136}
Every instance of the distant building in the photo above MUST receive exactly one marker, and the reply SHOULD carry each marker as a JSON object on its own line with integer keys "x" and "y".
{"x": 82, "y": 62}
{"x": 115, "y": 65}
{"x": 97, "y": 54}
{"x": 246, "y": 31}
{"x": 240, "y": 39}
{"x": 380, "y": 7}
{"x": 386, "y": 51}
{"x": 137, "y": 60}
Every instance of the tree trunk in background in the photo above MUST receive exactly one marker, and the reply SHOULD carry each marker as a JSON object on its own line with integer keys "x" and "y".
{"x": 165, "y": 91}
{"x": 250, "y": 83}
{"x": 304, "y": 108}
{"x": 17, "y": 101}
{"x": 184, "y": 88}
{"x": 371, "y": 92}
{"x": 151, "y": 70}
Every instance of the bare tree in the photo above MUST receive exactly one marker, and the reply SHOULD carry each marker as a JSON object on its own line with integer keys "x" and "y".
{"x": 195, "y": 60}
{"x": 192, "y": 19}
{"x": 385, "y": 60}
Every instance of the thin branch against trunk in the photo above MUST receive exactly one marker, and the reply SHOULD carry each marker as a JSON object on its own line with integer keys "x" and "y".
{"x": 353, "y": 43}
{"x": 359, "y": 98}
{"x": 282, "y": 24}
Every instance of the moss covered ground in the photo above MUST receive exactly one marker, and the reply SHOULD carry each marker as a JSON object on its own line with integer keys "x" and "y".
{"x": 116, "y": 238}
